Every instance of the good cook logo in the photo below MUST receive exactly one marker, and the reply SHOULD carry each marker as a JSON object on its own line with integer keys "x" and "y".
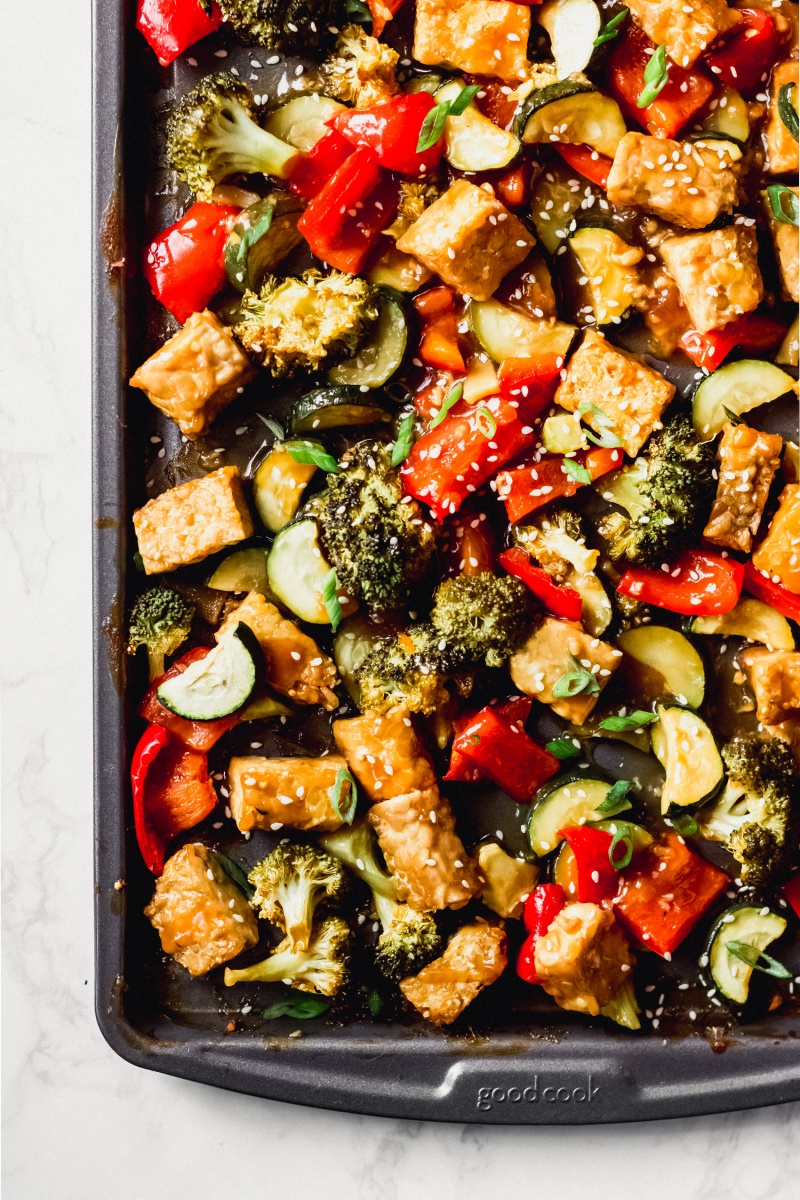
{"x": 536, "y": 1093}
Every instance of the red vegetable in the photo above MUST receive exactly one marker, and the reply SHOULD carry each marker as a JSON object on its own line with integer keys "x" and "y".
{"x": 391, "y": 130}
{"x": 743, "y": 57}
{"x": 708, "y": 350}
{"x": 344, "y": 220}
{"x": 185, "y": 265}
{"x": 171, "y": 792}
{"x": 699, "y": 584}
{"x": 532, "y": 484}
{"x": 665, "y": 892}
{"x": 773, "y": 594}
{"x": 171, "y": 26}
{"x": 439, "y": 346}
{"x": 454, "y": 459}
{"x": 199, "y": 735}
{"x": 382, "y": 12}
{"x": 541, "y": 909}
{"x": 791, "y": 890}
{"x": 470, "y": 545}
{"x": 684, "y": 94}
{"x": 595, "y": 878}
{"x": 586, "y": 162}
{"x": 530, "y": 382}
{"x": 560, "y": 601}
{"x": 512, "y": 188}
{"x": 322, "y": 161}
{"x": 513, "y": 712}
{"x": 506, "y": 755}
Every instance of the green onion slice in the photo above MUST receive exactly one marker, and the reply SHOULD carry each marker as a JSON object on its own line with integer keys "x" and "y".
{"x": 576, "y": 471}
{"x": 273, "y": 426}
{"x": 345, "y": 814}
{"x": 452, "y": 397}
{"x": 563, "y": 748}
{"x": 784, "y": 204}
{"x": 236, "y": 873}
{"x": 308, "y": 452}
{"x": 750, "y": 955}
{"x": 656, "y": 76}
{"x": 485, "y": 422}
{"x": 405, "y": 440}
{"x": 301, "y": 1008}
{"x": 433, "y": 125}
{"x": 622, "y": 837}
{"x": 685, "y": 825}
{"x": 787, "y": 111}
{"x": 573, "y": 682}
{"x": 616, "y": 794}
{"x": 333, "y": 608}
{"x": 635, "y": 720}
{"x": 611, "y": 28}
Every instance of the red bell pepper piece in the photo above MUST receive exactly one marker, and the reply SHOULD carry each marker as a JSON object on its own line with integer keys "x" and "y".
{"x": 530, "y": 485}
{"x": 513, "y": 712}
{"x": 586, "y": 162}
{"x": 541, "y": 909}
{"x": 708, "y": 350}
{"x": 453, "y": 460}
{"x": 470, "y": 545}
{"x": 433, "y": 302}
{"x": 199, "y": 735}
{"x": 664, "y": 893}
{"x": 699, "y": 584}
{"x": 774, "y": 594}
{"x": 743, "y": 57}
{"x": 322, "y": 161}
{"x": 344, "y": 220}
{"x": 506, "y": 755}
{"x": 595, "y": 878}
{"x": 439, "y": 346}
{"x": 530, "y": 382}
{"x": 562, "y": 602}
{"x": 185, "y": 265}
{"x": 171, "y": 26}
{"x": 171, "y": 790}
{"x": 684, "y": 94}
{"x": 512, "y": 187}
{"x": 382, "y": 13}
{"x": 391, "y": 130}
{"x": 791, "y": 890}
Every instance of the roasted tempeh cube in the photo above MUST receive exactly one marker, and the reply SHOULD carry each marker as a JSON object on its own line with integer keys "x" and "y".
{"x": 684, "y": 29}
{"x": 486, "y": 37}
{"x": 687, "y": 183}
{"x": 552, "y": 651}
{"x": 782, "y": 151}
{"x": 475, "y": 957}
{"x": 385, "y": 753}
{"x": 778, "y": 556}
{"x": 717, "y": 273}
{"x": 748, "y": 461}
{"x": 187, "y": 523}
{"x": 270, "y": 793}
{"x": 583, "y": 959}
{"x": 775, "y": 678}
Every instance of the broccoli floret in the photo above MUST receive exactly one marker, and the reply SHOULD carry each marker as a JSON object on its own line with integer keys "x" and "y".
{"x": 624, "y": 1008}
{"x": 377, "y": 539}
{"x": 413, "y": 669}
{"x": 290, "y": 884}
{"x": 667, "y": 493}
{"x": 758, "y": 815}
{"x": 362, "y": 70}
{"x": 293, "y": 324}
{"x": 556, "y": 540}
{"x": 281, "y": 24}
{"x": 212, "y": 134}
{"x": 160, "y": 620}
{"x": 412, "y": 200}
{"x": 323, "y": 967}
{"x": 482, "y": 617}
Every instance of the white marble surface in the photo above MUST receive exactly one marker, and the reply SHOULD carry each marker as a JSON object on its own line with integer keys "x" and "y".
{"x": 80, "y": 1123}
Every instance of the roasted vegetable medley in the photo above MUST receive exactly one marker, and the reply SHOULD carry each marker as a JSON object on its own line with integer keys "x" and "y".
{"x": 471, "y": 658}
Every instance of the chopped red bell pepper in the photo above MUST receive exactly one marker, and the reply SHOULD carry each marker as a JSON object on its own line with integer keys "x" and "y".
{"x": 562, "y": 602}
{"x": 199, "y": 735}
{"x": 699, "y": 584}
{"x": 774, "y": 594}
{"x": 171, "y": 26}
{"x": 684, "y": 94}
{"x": 391, "y": 130}
{"x": 171, "y": 790}
{"x": 513, "y": 712}
{"x": 469, "y": 548}
{"x": 185, "y": 265}
{"x": 439, "y": 346}
{"x": 506, "y": 755}
{"x": 664, "y": 893}
{"x": 345, "y": 219}
{"x": 530, "y": 382}
{"x": 434, "y": 302}
{"x": 595, "y": 878}
{"x": 708, "y": 350}
{"x": 322, "y": 161}
{"x": 541, "y": 909}
{"x": 743, "y": 57}
{"x": 382, "y": 12}
{"x": 586, "y": 162}
{"x": 791, "y": 890}
{"x": 454, "y": 459}
{"x": 533, "y": 484}
{"x": 512, "y": 187}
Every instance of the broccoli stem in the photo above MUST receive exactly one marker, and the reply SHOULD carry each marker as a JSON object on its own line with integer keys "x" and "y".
{"x": 155, "y": 659}
{"x": 284, "y": 964}
{"x": 386, "y": 908}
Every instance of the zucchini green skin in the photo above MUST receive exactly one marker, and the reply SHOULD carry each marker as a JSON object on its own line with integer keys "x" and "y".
{"x": 701, "y": 741}
{"x": 540, "y": 97}
{"x": 278, "y": 240}
{"x": 741, "y": 923}
{"x": 739, "y": 387}
{"x": 218, "y": 684}
{"x": 334, "y": 406}
{"x": 297, "y": 571}
{"x": 378, "y": 360}
{"x": 553, "y": 809}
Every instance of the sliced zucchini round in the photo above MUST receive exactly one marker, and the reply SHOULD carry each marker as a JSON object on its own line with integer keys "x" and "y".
{"x": 242, "y": 571}
{"x": 571, "y": 112}
{"x": 504, "y": 333}
{"x": 335, "y": 406}
{"x": 751, "y": 619}
{"x": 609, "y": 265}
{"x": 472, "y": 141}
{"x": 397, "y": 270}
{"x": 597, "y": 611}
{"x": 556, "y": 197}
{"x": 660, "y": 662}
{"x": 302, "y": 121}
{"x": 354, "y": 639}
{"x": 573, "y": 26}
{"x": 278, "y": 486}
{"x": 550, "y": 93}
{"x": 262, "y": 236}
{"x": 685, "y": 747}
{"x": 218, "y": 684}
{"x": 789, "y": 349}
{"x": 729, "y": 117}
{"x": 748, "y": 924}
{"x": 737, "y": 387}
{"x": 298, "y": 569}
{"x": 572, "y": 799}
{"x": 378, "y": 360}
{"x": 562, "y": 433}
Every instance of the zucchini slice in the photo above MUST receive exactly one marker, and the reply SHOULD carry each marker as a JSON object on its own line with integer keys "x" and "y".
{"x": 597, "y": 611}
{"x": 751, "y": 619}
{"x": 789, "y": 349}
{"x": 297, "y": 571}
{"x": 685, "y": 747}
{"x": 242, "y": 571}
{"x": 750, "y": 924}
{"x": 729, "y": 117}
{"x": 573, "y": 26}
{"x": 218, "y": 684}
{"x": 354, "y": 639}
{"x": 609, "y": 265}
{"x": 573, "y": 112}
{"x": 397, "y": 270}
{"x": 562, "y": 433}
{"x": 333, "y": 407}
{"x": 504, "y": 333}
{"x": 570, "y": 800}
{"x": 378, "y": 360}
{"x": 660, "y": 662}
{"x": 263, "y": 235}
{"x": 302, "y": 121}
{"x": 737, "y": 387}
{"x": 472, "y": 141}
{"x": 556, "y": 197}
{"x": 278, "y": 486}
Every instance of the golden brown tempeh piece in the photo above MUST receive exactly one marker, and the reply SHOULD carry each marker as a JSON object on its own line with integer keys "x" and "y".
{"x": 475, "y": 957}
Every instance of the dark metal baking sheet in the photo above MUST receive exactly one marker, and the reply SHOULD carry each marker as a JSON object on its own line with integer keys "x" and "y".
{"x": 500, "y": 1069}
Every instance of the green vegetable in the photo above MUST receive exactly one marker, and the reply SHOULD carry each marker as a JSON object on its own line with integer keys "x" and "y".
{"x": 684, "y": 745}
{"x": 347, "y": 812}
{"x": 482, "y": 618}
{"x": 323, "y": 967}
{"x": 656, "y": 75}
{"x": 300, "y": 1008}
{"x": 576, "y": 471}
{"x": 262, "y": 236}
{"x": 273, "y": 426}
{"x": 282, "y": 24}
{"x": 606, "y": 437}
{"x": 557, "y": 541}
{"x": 613, "y": 801}
{"x": 784, "y": 204}
{"x": 331, "y": 600}
{"x": 685, "y": 825}
{"x": 621, "y": 838}
{"x": 787, "y": 110}
{"x": 362, "y": 69}
{"x": 217, "y": 684}
{"x": 751, "y": 955}
{"x": 735, "y": 948}
{"x": 236, "y": 873}
{"x": 623, "y": 1009}
{"x": 405, "y": 440}
{"x": 452, "y": 398}
{"x": 289, "y": 886}
{"x": 412, "y": 669}
{"x": 635, "y": 720}
{"x": 160, "y": 620}
{"x": 313, "y": 455}
{"x": 576, "y": 681}
{"x": 563, "y": 748}
{"x": 485, "y": 422}
{"x": 611, "y": 28}
{"x": 297, "y": 570}
{"x": 433, "y": 125}
{"x": 572, "y": 799}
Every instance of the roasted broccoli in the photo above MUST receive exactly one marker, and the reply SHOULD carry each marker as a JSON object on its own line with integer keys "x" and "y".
{"x": 212, "y": 134}
{"x": 324, "y": 967}
{"x": 362, "y": 70}
{"x": 356, "y": 847}
{"x": 482, "y": 617}
{"x": 413, "y": 668}
{"x": 667, "y": 493}
{"x": 290, "y": 883}
{"x": 556, "y": 540}
{"x": 758, "y": 815}
{"x": 412, "y": 200}
{"x": 160, "y": 620}
{"x": 623, "y": 1009}
{"x": 377, "y": 539}
{"x": 293, "y": 324}
{"x": 281, "y": 24}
